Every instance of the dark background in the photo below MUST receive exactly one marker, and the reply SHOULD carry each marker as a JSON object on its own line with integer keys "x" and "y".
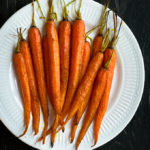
{"x": 136, "y": 136}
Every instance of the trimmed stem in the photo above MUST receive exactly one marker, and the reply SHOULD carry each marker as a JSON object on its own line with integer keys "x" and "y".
{"x": 33, "y": 15}
{"x": 105, "y": 40}
{"x": 52, "y": 14}
{"x": 108, "y": 62}
{"x": 65, "y": 11}
{"x": 78, "y": 13}
{"x": 115, "y": 38}
{"x": 43, "y": 17}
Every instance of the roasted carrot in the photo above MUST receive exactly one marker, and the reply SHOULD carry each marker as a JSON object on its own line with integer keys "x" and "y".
{"x": 87, "y": 81}
{"x": 37, "y": 57}
{"x": 85, "y": 61}
{"x": 54, "y": 65}
{"x": 105, "y": 99}
{"x": 21, "y": 71}
{"x": 78, "y": 39}
{"x": 85, "y": 85}
{"x": 97, "y": 43}
{"x": 97, "y": 92}
{"x": 35, "y": 103}
{"x": 46, "y": 63}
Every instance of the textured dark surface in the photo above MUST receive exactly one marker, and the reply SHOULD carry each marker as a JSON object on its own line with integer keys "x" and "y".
{"x": 136, "y": 136}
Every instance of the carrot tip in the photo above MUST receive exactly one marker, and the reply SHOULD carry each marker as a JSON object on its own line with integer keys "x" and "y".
{"x": 71, "y": 141}
{"x": 63, "y": 130}
{"x": 93, "y": 145}
{"x": 40, "y": 139}
{"x": 52, "y": 144}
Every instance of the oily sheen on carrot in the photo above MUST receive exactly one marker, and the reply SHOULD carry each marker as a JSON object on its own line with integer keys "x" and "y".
{"x": 46, "y": 63}
{"x": 104, "y": 101}
{"x": 54, "y": 65}
{"x": 78, "y": 39}
{"x": 64, "y": 31}
{"x": 35, "y": 42}
{"x": 85, "y": 61}
{"x": 21, "y": 71}
{"x": 97, "y": 92}
{"x": 35, "y": 102}
{"x": 85, "y": 85}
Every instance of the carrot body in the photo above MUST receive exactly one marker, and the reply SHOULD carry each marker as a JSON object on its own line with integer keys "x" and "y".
{"x": 97, "y": 92}
{"x": 24, "y": 48}
{"x": 64, "y": 31}
{"x": 79, "y": 115}
{"x": 85, "y": 61}
{"x": 97, "y": 44}
{"x": 85, "y": 85}
{"x": 54, "y": 65}
{"x": 36, "y": 50}
{"x": 104, "y": 101}
{"x": 85, "y": 58}
{"x": 21, "y": 71}
{"x": 78, "y": 39}
{"x": 46, "y": 63}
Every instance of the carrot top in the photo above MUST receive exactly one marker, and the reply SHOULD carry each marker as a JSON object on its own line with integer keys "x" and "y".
{"x": 52, "y": 14}
{"x": 105, "y": 40}
{"x": 108, "y": 62}
{"x": 20, "y": 38}
{"x": 115, "y": 38}
{"x": 65, "y": 11}
{"x": 78, "y": 12}
{"x": 33, "y": 15}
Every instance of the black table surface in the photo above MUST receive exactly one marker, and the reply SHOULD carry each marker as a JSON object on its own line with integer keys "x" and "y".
{"x": 136, "y": 136}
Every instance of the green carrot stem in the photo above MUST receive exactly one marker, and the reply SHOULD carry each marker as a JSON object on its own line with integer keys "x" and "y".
{"x": 33, "y": 15}
{"x": 43, "y": 17}
{"x": 108, "y": 62}
{"x": 90, "y": 31}
{"x": 65, "y": 11}
{"x": 52, "y": 14}
{"x": 78, "y": 13}
{"x": 105, "y": 40}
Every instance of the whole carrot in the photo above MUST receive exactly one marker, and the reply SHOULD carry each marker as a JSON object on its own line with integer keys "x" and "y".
{"x": 21, "y": 71}
{"x": 54, "y": 66}
{"x": 37, "y": 57}
{"x": 105, "y": 99}
{"x": 97, "y": 43}
{"x": 78, "y": 39}
{"x": 35, "y": 105}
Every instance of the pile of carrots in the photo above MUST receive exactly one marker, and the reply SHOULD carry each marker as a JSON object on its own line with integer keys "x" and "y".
{"x": 64, "y": 68}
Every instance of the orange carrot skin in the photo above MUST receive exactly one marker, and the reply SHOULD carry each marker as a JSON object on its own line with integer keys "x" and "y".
{"x": 64, "y": 31}
{"x": 78, "y": 39}
{"x": 24, "y": 48}
{"x": 86, "y": 84}
{"x": 97, "y": 93}
{"x": 21, "y": 71}
{"x": 85, "y": 61}
{"x": 79, "y": 115}
{"x": 97, "y": 44}
{"x": 54, "y": 64}
{"x": 104, "y": 101}
{"x": 85, "y": 58}
{"x": 46, "y": 63}
{"x": 37, "y": 56}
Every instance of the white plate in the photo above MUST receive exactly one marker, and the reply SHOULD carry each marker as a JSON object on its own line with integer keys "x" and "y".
{"x": 126, "y": 91}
